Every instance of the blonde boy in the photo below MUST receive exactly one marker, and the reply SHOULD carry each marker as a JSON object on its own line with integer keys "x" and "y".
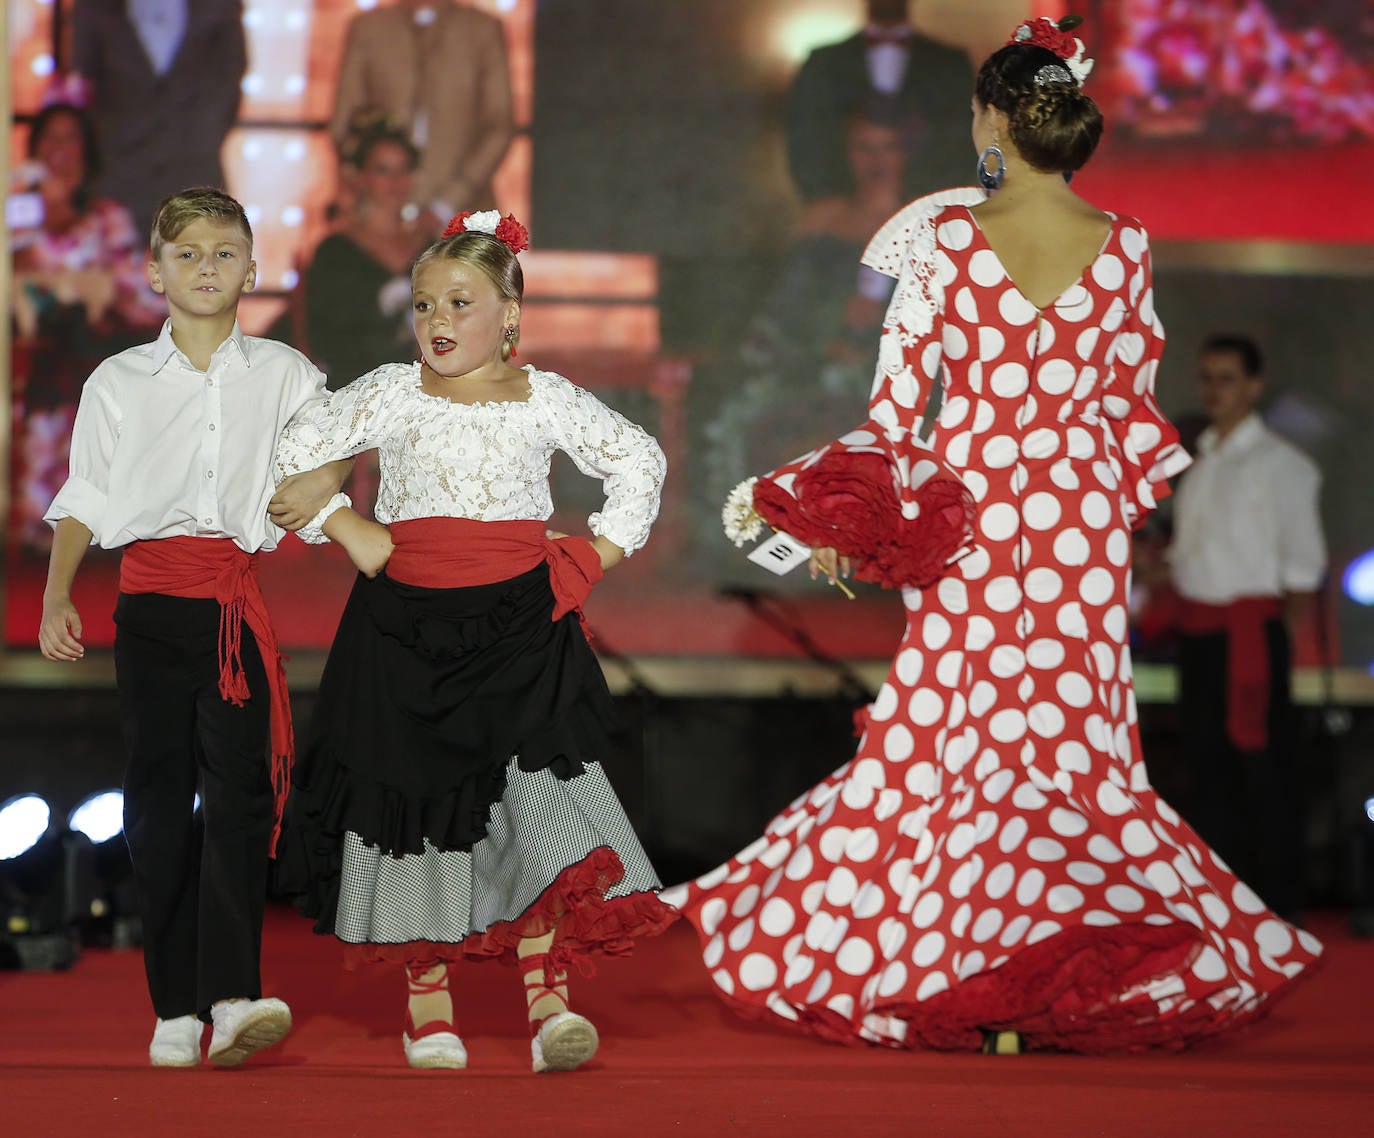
{"x": 171, "y": 461}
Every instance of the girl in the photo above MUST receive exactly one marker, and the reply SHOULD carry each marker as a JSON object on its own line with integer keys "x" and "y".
{"x": 450, "y": 803}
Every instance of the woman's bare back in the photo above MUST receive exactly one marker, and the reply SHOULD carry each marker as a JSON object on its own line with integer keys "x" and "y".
{"x": 1044, "y": 245}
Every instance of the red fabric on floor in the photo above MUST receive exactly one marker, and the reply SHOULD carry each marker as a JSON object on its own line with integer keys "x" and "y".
{"x": 674, "y": 1061}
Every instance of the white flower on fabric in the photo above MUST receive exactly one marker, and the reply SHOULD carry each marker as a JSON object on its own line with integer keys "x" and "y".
{"x": 741, "y": 523}
{"x": 484, "y": 221}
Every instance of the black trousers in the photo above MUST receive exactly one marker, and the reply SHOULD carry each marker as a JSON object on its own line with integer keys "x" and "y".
{"x": 202, "y": 874}
{"x": 1247, "y": 805}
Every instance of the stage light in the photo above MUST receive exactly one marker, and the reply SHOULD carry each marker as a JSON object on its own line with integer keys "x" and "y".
{"x": 1358, "y": 579}
{"x": 24, "y": 820}
{"x": 99, "y": 816}
{"x": 1369, "y": 808}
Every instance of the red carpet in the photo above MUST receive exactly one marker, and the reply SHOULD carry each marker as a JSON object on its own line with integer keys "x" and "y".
{"x": 673, "y": 1062}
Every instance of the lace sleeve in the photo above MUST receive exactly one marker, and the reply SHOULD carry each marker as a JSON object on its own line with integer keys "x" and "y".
{"x": 348, "y": 422}
{"x": 606, "y": 445}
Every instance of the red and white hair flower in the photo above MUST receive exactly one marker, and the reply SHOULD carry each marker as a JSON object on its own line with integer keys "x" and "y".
{"x": 1053, "y": 35}
{"x": 489, "y": 221}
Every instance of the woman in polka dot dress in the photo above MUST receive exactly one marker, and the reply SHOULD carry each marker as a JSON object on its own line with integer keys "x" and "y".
{"x": 993, "y": 868}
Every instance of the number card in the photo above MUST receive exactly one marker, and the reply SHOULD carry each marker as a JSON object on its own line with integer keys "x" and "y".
{"x": 780, "y": 554}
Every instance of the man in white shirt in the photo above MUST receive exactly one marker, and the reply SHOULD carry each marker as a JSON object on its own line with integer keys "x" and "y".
{"x": 171, "y": 461}
{"x": 1247, "y": 556}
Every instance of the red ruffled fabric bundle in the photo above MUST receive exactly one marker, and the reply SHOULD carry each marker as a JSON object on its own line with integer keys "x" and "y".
{"x": 847, "y": 499}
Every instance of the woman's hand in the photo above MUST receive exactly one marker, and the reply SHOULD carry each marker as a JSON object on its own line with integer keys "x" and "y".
{"x": 368, "y": 544}
{"x": 826, "y": 560}
{"x": 301, "y": 496}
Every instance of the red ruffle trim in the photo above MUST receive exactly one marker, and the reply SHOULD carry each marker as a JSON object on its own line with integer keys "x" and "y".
{"x": 575, "y": 903}
{"x": 1071, "y": 992}
{"x": 847, "y": 500}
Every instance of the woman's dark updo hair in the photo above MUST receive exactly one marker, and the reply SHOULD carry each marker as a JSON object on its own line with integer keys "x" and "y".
{"x": 1054, "y": 126}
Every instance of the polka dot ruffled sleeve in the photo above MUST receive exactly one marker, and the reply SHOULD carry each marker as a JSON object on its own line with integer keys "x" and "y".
{"x": 1150, "y": 452}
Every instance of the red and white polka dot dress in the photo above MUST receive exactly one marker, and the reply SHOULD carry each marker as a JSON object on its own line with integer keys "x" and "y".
{"x": 994, "y": 856}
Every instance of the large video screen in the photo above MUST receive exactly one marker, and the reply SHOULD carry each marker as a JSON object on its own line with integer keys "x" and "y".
{"x": 697, "y": 193}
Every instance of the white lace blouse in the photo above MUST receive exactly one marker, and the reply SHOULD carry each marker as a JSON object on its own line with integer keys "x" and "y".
{"x": 485, "y": 461}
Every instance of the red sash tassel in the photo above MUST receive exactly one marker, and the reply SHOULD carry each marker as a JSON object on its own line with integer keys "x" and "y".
{"x": 1247, "y": 661}
{"x": 216, "y": 567}
{"x": 451, "y": 553}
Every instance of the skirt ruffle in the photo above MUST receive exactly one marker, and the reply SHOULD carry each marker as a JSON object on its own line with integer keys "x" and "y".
{"x": 575, "y": 903}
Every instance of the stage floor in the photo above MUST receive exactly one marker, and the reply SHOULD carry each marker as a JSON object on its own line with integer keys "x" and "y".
{"x": 673, "y": 1062}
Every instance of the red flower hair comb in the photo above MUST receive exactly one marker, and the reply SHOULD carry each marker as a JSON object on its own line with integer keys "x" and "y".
{"x": 489, "y": 221}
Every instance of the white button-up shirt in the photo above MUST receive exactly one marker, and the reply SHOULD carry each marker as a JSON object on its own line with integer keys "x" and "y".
{"x": 162, "y": 449}
{"x": 887, "y": 63}
{"x": 1247, "y": 521}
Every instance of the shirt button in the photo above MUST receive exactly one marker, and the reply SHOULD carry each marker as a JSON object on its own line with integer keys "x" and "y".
{"x": 212, "y": 426}
{"x": 209, "y": 474}
{"x": 209, "y": 521}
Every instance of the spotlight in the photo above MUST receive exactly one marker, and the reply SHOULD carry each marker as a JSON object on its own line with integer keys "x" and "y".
{"x": 46, "y": 881}
{"x": 24, "y": 819}
{"x": 113, "y": 919}
{"x": 1358, "y": 579}
{"x": 99, "y": 816}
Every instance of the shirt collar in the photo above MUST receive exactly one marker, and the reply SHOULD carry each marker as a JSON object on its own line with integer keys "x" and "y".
{"x": 165, "y": 347}
{"x": 1243, "y": 436}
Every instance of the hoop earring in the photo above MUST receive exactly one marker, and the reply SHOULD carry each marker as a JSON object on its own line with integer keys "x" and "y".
{"x": 991, "y": 180}
{"x": 508, "y": 344}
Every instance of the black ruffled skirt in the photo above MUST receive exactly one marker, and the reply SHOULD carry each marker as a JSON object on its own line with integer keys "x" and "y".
{"x": 430, "y": 701}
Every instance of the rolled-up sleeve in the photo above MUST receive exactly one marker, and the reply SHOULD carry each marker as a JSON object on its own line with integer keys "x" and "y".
{"x": 1302, "y": 546}
{"x": 85, "y": 494}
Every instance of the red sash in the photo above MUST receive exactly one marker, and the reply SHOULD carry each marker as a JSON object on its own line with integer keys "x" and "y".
{"x": 451, "y": 553}
{"x": 1247, "y": 661}
{"x": 216, "y": 567}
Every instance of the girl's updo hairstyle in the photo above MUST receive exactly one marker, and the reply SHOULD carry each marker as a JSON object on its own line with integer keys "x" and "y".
{"x": 1054, "y": 126}
{"x": 482, "y": 251}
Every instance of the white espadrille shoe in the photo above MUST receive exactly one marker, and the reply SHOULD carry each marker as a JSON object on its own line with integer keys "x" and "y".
{"x": 243, "y": 1027}
{"x": 434, "y": 1045}
{"x": 176, "y": 1042}
{"x": 564, "y": 1041}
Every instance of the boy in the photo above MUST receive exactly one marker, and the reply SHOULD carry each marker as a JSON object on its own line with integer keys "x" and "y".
{"x": 171, "y": 460}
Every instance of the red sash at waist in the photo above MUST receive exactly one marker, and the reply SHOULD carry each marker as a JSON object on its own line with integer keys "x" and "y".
{"x": 452, "y": 553}
{"x": 1247, "y": 660}
{"x": 217, "y": 568}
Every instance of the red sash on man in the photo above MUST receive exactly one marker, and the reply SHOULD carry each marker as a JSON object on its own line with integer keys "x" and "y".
{"x": 1247, "y": 661}
{"x": 216, "y": 567}
{"x": 450, "y": 553}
